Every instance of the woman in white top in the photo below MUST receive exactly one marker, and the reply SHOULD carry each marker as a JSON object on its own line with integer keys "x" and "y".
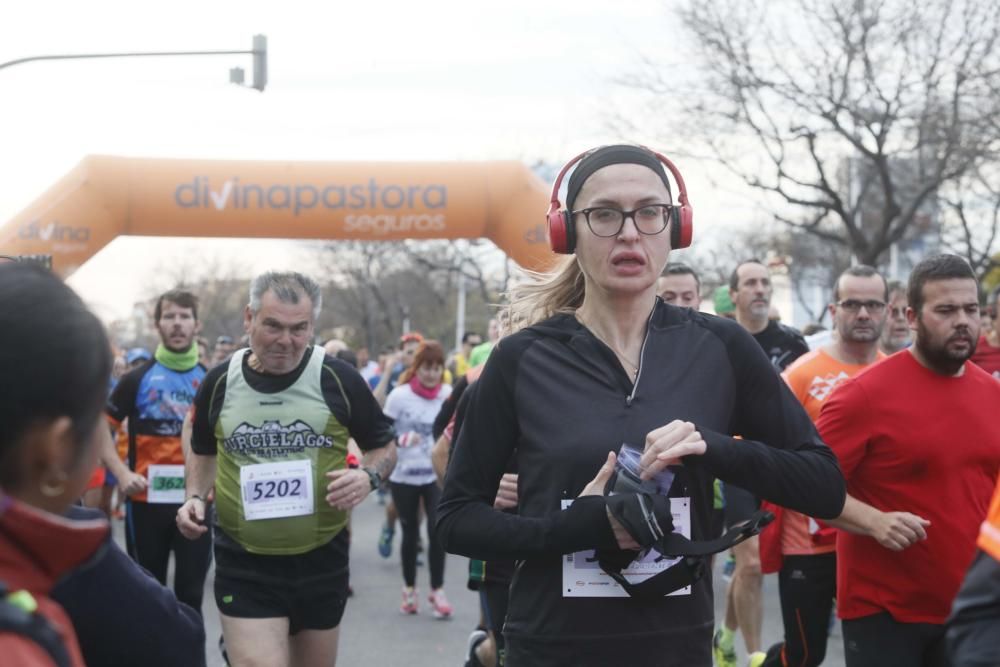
{"x": 414, "y": 404}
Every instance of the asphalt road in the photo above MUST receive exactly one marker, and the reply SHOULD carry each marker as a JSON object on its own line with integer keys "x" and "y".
{"x": 373, "y": 631}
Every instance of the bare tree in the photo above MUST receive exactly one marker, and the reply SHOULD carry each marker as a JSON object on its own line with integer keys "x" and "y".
{"x": 832, "y": 108}
{"x": 972, "y": 219}
{"x": 374, "y": 286}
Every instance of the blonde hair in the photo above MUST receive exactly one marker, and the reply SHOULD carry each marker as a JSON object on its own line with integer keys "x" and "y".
{"x": 543, "y": 295}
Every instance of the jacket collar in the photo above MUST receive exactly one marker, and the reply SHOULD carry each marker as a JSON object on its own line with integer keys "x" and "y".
{"x": 37, "y": 548}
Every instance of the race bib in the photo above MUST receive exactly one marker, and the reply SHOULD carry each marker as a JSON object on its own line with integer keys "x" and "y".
{"x": 584, "y": 578}
{"x": 277, "y": 490}
{"x": 166, "y": 484}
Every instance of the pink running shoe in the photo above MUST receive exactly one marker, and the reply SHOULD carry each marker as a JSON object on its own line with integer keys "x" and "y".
{"x": 409, "y": 605}
{"x": 440, "y": 605}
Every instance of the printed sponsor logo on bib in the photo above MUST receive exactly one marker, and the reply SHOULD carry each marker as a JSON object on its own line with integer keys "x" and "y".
{"x": 166, "y": 484}
{"x": 277, "y": 490}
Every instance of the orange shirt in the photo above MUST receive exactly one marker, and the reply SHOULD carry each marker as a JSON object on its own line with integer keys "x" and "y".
{"x": 812, "y": 378}
{"x": 989, "y": 532}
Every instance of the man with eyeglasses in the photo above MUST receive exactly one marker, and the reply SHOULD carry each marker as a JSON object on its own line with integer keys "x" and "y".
{"x": 799, "y": 549}
{"x": 917, "y": 442}
{"x": 224, "y": 348}
{"x": 750, "y": 289}
{"x": 896, "y": 334}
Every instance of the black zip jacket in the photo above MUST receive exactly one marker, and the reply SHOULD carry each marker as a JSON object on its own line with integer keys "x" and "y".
{"x": 558, "y": 397}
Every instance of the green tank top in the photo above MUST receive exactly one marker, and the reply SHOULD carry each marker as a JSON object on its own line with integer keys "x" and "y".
{"x": 274, "y": 451}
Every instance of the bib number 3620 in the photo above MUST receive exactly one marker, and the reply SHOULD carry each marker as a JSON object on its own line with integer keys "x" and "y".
{"x": 277, "y": 490}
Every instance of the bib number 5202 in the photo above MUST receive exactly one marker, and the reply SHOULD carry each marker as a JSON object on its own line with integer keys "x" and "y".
{"x": 283, "y": 488}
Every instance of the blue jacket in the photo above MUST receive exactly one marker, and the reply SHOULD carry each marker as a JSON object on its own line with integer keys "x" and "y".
{"x": 123, "y": 616}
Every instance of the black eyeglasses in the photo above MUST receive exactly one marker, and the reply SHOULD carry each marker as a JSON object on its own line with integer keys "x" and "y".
{"x": 854, "y": 306}
{"x": 224, "y": 340}
{"x": 605, "y": 221}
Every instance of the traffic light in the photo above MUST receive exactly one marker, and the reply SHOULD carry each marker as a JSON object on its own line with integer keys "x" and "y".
{"x": 259, "y": 62}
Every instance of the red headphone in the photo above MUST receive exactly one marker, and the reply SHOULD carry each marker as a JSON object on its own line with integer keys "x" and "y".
{"x": 562, "y": 233}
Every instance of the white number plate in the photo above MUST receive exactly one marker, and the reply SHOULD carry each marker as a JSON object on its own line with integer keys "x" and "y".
{"x": 166, "y": 484}
{"x": 277, "y": 490}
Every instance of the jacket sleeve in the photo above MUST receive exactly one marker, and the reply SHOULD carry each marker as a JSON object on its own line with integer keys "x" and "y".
{"x": 114, "y": 603}
{"x": 779, "y": 456}
{"x": 467, "y": 522}
{"x": 972, "y": 629}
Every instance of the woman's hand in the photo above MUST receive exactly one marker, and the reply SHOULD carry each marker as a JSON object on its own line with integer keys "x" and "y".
{"x": 666, "y": 445}
{"x": 596, "y": 488}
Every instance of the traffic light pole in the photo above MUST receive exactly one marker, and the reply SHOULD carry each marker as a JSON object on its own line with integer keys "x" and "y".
{"x": 259, "y": 53}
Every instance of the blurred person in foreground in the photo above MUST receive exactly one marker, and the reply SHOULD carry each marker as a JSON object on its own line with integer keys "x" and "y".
{"x": 55, "y": 364}
{"x": 70, "y": 594}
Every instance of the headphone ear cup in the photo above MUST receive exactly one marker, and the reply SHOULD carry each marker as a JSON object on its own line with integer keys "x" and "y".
{"x": 681, "y": 227}
{"x": 562, "y": 236}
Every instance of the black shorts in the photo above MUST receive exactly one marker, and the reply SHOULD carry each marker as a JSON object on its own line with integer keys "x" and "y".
{"x": 309, "y": 589}
{"x": 739, "y": 505}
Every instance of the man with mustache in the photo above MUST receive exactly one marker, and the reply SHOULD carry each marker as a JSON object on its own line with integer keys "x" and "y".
{"x": 918, "y": 445}
{"x": 152, "y": 400}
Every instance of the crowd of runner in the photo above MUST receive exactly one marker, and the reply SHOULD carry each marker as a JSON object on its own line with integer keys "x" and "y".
{"x": 858, "y": 463}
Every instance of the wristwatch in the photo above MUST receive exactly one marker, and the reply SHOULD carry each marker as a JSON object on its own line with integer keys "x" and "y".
{"x": 374, "y": 478}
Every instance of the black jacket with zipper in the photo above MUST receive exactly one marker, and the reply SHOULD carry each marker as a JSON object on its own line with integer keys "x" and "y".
{"x": 557, "y": 398}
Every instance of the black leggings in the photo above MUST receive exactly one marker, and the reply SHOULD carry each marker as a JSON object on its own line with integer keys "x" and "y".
{"x": 871, "y": 640}
{"x": 407, "y": 499}
{"x": 151, "y": 534}
{"x": 807, "y": 586}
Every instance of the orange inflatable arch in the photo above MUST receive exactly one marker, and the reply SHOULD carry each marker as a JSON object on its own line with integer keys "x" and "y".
{"x": 104, "y": 197}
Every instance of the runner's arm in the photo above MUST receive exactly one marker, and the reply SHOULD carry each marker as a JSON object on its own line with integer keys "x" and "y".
{"x": 128, "y": 481}
{"x": 381, "y": 460}
{"x": 893, "y": 530}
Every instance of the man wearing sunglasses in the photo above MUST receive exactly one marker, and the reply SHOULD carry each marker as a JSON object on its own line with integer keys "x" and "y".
{"x": 799, "y": 549}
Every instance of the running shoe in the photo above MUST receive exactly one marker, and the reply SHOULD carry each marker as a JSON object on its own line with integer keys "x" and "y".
{"x": 409, "y": 605}
{"x": 723, "y": 651}
{"x": 385, "y": 541}
{"x": 440, "y": 605}
{"x": 475, "y": 639}
{"x": 756, "y": 659}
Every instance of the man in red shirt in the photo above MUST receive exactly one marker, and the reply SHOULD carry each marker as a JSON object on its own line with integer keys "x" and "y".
{"x": 795, "y": 546}
{"x": 919, "y": 448}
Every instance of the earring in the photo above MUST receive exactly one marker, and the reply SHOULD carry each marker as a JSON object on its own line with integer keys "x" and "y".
{"x": 53, "y": 490}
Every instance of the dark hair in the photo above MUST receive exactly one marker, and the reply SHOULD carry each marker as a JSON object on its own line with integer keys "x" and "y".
{"x": 348, "y": 355}
{"x": 859, "y": 271}
{"x": 896, "y": 286}
{"x": 936, "y": 267}
{"x": 429, "y": 352}
{"x": 681, "y": 269}
{"x": 179, "y": 297}
{"x": 469, "y": 334}
{"x": 734, "y": 277}
{"x": 55, "y": 360}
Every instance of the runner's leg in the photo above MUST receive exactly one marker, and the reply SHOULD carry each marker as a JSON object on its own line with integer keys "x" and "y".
{"x": 256, "y": 642}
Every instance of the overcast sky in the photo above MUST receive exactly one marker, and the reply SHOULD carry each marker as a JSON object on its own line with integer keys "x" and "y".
{"x": 436, "y": 80}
